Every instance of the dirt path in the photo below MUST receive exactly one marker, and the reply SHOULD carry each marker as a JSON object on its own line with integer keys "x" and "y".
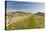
{"x": 15, "y": 19}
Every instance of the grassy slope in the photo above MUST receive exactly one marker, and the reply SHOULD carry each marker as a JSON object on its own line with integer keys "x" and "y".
{"x": 28, "y": 22}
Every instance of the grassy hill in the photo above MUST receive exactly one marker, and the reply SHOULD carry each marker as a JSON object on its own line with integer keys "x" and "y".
{"x": 26, "y": 21}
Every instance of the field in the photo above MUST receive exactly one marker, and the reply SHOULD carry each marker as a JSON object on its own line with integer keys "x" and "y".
{"x": 24, "y": 21}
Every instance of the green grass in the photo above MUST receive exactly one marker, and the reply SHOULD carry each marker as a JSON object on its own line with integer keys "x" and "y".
{"x": 30, "y": 22}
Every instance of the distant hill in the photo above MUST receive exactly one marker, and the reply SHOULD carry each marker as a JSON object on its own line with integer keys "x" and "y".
{"x": 40, "y": 13}
{"x": 21, "y": 12}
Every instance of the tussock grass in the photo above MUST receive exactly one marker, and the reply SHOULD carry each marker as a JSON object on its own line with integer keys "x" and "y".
{"x": 29, "y": 22}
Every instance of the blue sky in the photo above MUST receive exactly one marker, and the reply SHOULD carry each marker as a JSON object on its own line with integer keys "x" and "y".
{"x": 25, "y": 6}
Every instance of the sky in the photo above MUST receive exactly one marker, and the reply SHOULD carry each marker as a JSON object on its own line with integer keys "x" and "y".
{"x": 13, "y": 6}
